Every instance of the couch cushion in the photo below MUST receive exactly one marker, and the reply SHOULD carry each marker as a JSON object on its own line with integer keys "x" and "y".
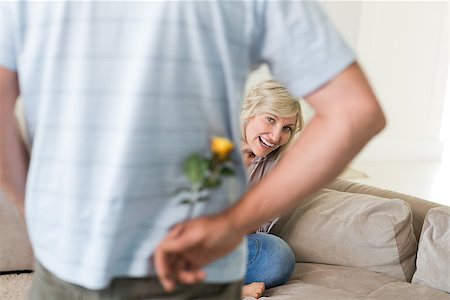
{"x": 433, "y": 256}
{"x": 354, "y": 230}
{"x": 317, "y": 282}
{"x": 15, "y": 249}
{"x": 419, "y": 207}
{"x": 354, "y": 281}
{"x": 407, "y": 291}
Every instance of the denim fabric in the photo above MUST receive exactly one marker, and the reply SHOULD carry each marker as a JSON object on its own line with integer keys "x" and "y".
{"x": 270, "y": 260}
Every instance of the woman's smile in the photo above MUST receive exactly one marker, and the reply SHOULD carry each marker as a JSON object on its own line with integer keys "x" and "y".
{"x": 265, "y": 142}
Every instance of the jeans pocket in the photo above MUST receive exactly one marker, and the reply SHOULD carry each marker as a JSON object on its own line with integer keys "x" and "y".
{"x": 254, "y": 248}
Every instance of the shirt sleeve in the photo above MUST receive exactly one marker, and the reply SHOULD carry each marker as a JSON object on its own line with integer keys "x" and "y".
{"x": 7, "y": 47}
{"x": 301, "y": 46}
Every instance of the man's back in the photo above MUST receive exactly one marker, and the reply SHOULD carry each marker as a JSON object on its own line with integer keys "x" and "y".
{"x": 118, "y": 93}
{"x": 116, "y": 96}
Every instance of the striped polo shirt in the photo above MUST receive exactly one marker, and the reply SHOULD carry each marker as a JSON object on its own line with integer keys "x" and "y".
{"x": 117, "y": 94}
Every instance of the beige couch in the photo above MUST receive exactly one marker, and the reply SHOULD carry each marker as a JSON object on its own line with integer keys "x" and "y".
{"x": 351, "y": 241}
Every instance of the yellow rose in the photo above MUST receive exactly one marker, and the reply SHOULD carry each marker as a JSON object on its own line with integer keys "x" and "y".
{"x": 221, "y": 147}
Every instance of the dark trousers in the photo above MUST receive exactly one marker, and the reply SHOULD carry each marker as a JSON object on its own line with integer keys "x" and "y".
{"x": 46, "y": 286}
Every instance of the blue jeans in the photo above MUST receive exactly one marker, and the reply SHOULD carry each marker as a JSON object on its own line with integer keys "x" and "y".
{"x": 270, "y": 260}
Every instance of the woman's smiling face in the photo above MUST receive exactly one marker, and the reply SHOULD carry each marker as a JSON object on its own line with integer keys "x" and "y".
{"x": 266, "y": 132}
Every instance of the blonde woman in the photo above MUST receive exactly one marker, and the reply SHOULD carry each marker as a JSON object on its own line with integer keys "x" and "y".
{"x": 270, "y": 118}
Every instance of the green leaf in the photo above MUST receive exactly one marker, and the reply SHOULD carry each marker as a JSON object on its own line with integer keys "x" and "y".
{"x": 227, "y": 171}
{"x": 211, "y": 182}
{"x": 185, "y": 201}
{"x": 195, "y": 167}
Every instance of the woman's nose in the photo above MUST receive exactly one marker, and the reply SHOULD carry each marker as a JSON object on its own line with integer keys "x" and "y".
{"x": 275, "y": 135}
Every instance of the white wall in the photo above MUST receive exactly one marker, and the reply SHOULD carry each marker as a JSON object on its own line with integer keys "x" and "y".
{"x": 403, "y": 48}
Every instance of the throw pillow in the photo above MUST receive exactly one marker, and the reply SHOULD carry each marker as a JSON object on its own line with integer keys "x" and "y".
{"x": 433, "y": 256}
{"x": 354, "y": 230}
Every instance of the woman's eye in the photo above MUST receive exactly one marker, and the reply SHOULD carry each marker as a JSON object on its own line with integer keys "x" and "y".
{"x": 270, "y": 120}
{"x": 287, "y": 129}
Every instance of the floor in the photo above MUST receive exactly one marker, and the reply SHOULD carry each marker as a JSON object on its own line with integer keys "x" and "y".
{"x": 425, "y": 179}
{"x": 15, "y": 286}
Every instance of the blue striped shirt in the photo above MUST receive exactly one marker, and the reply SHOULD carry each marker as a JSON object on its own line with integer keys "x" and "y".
{"x": 117, "y": 94}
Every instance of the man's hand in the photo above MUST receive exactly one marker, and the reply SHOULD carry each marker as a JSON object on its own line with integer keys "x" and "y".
{"x": 190, "y": 246}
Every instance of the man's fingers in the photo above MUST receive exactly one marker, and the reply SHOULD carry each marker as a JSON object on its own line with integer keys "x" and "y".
{"x": 191, "y": 276}
{"x": 187, "y": 274}
{"x": 172, "y": 269}
{"x": 166, "y": 252}
{"x": 179, "y": 242}
{"x": 165, "y": 257}
{"x": 171, "y": 257}
{"x": 177, "y": 229}
{"x": 164, "y": 264}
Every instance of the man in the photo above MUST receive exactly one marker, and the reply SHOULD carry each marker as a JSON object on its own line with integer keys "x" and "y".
{"x": 117, "y": 94}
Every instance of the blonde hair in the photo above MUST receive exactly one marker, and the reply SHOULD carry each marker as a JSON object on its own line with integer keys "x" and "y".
{"x": 271, "y": 97}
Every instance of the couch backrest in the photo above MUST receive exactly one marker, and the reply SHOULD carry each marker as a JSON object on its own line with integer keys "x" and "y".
{"x": 419, "y": 207}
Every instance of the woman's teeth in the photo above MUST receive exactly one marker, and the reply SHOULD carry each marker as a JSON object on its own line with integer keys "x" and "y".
{"x": 265, "y": 142}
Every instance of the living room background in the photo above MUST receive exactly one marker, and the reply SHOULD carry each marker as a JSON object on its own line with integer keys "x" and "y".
{"x": 403, "y": 48}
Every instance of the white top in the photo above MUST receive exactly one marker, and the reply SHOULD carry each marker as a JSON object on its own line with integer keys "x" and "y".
{"x": 117, "y": 94}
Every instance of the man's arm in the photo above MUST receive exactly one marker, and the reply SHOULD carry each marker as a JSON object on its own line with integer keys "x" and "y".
{"x": 347, "y": 117}
{"x": 14, "y": 158}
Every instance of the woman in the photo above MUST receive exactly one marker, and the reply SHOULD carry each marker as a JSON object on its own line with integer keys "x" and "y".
{"x": 270, "y": 118}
